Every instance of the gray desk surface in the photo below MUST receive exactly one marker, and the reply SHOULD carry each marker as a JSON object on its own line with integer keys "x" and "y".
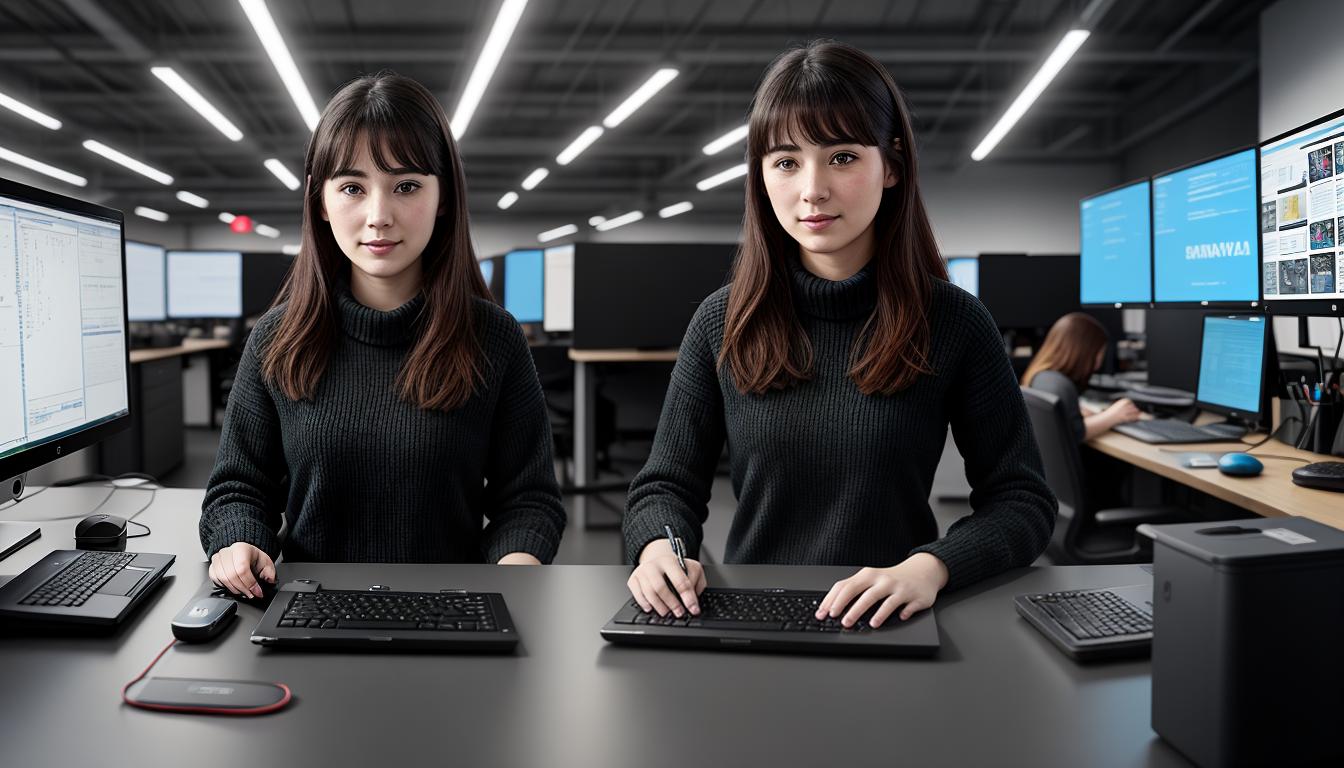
{"x": 999, "y": 693}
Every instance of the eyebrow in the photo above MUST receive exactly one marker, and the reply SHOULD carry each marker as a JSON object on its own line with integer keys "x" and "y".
{"x": 795, "y": 148}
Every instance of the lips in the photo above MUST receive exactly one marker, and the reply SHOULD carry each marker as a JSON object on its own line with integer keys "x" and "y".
{"x": 818, "y": 221}
{"x": 380, "y": 247}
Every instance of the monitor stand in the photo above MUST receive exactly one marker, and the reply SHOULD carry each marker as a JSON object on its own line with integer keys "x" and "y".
{"x": 13, "y": 488}
{"x": 1231, "y": 428}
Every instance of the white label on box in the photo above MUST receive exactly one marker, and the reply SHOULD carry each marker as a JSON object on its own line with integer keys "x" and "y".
{"x": 1287, "y": 536}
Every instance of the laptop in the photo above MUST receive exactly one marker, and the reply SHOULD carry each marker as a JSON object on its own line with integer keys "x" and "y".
{"x": 1175, "y": 431}
{"x": 1095, "y": 624}
{"x": 82, "y": 588}
{"x": 303, "y": 615}
{"x": 771, "y": 620}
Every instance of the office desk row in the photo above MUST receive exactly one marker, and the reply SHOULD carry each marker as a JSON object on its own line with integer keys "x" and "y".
{"x": 998, "y": 693}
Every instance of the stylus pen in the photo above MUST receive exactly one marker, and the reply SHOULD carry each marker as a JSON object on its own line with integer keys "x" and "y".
{"x": 678, "y": 548}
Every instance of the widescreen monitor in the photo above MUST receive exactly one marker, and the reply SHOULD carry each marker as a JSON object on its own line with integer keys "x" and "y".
{"x": 1116, "y": 266}
{"x": 205, "y": 284}
{"x": 524, "y": 295}
{"x": 146, "y": 283}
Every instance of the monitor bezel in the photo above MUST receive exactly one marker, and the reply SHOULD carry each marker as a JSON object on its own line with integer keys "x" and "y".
{"x": 58, "y": 446}
{"x": 1152, "y": 265}
{"x": 1248, "y": 417}
{"x": 168, "y": 281}
{"x": 505, "y": 283}
{"x": 1300, "y": 307}
{"x": 1243, "y": 304}
{"x": 163, "y": 248}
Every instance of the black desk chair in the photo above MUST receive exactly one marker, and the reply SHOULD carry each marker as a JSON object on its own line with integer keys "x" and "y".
{"x": 1084, "y": 535}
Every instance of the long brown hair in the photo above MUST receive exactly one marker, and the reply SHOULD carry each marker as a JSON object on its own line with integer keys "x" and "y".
{"x": 403, "y": 126}
{"x": 1071, "y": 348}
{"x": 829, "y": 92}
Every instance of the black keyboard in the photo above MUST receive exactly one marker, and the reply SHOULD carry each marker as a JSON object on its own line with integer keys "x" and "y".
{"x": 1090, "y": 614}
{"x": 771, "y": 610}
{"x": 441, "y": 611}
{"x": 1177, "y": 431}
{"x": 74, "y": 584}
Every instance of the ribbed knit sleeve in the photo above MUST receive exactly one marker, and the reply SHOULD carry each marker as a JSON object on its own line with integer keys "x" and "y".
{"x": 1013, "y": 508}
{"x": 673, "y": 488}
{"x": 522, "y": 496}
{"x": 248, "y": 478}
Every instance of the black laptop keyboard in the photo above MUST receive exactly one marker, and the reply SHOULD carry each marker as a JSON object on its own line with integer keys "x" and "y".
{"x": 771, "y": 610}
{"x": 387, "y": 611}
{"x": 1175, "y": 430}
{"x": 79, "y": 579}
{"x": 1090, "y": 614}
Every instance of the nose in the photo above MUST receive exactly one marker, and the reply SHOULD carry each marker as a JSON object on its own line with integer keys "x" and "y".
{"x": 379, "y": 215}
{"x": 815, "y": 187}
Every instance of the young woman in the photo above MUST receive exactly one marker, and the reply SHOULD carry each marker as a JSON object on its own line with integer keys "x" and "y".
{"x": 833, "y": 364}
{"x": 1074, "y": 349}
{"x": 385, "y": 405}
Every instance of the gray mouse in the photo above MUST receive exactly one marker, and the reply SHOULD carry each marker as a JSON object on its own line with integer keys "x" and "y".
{"x": 203, "y": 618}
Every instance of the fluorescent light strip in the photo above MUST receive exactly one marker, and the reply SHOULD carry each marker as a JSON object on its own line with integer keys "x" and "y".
{"x": 620, "y": 221}
{"x": 42, "y": 168}
{"x": 642, "y": 94}
{"x": 590, "y": 134}
{"x": 508, "y": 199}
{"x": 226, "y": 217}
{"x": 491, "y": 52}
{"x": 722, "y": 177}
{"x": 557, "y": 233}
{"x": 266, "y": 231}
{"x": 1073, "y": 40}
{"x": 290, "y": 249}
{"x": 260, "y": 16}
{"x": 41, "y": 118}
{"x": 675, "y": 209}
{"x": 534, "y": 178}
{"x": 196, "y": 101}
{"x": 725, "y": 141}
{"x": 593, "y": 221}
{"x": 98, "y": 148}
{"x": 150, "y": 213}
{"x": 190, "y": 199}
{"x": 282, "y": 173}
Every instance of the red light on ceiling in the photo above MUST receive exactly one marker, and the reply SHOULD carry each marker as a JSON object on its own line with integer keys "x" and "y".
{"x": 241, "y": 224}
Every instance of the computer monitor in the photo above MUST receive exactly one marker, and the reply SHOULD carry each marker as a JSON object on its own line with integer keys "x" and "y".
{"x": 487, "y": 269}
{"x": 523, "y": 285}
{"x": 559, "y": 299}
{"x": 64, "y": 364}
{"x": 1232, "y": 366}
{"x": 1302, "y": 219}
{"x": 146, "y": 283}
{"x": 263, "y": 274}
{"x": 1028, "y": 292}
{"x": 205, "y": 284}
{"x": 1171, "y": 343}
{"x": 1206, "y": 240}
{"x": 494, "y": 277}
{"x": 964, "y": 272}
{"x": 1116, "y": 266}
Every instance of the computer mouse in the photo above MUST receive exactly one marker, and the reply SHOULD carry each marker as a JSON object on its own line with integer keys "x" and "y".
{"x": 203, "y": 618}
{"x": 106, "y": 533}
{"x": 1240, "y": 465}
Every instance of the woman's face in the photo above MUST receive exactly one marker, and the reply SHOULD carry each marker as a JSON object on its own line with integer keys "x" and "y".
{"x": 382, "y": 221}
{"x": 826, "y": 196}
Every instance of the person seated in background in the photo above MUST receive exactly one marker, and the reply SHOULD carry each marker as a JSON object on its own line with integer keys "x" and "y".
{"x": 1074, "y": 349}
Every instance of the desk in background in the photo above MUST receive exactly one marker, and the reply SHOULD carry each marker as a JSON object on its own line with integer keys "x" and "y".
{"x": 998, "y": 694}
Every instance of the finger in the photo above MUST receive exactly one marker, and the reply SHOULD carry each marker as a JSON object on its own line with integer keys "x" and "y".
{"x": 242, "y": 563}
{"x": 884, "y": 611}
{"x": 913, "y": 607}
{"x": 867, "y": 600}
{"x": 669, "y": 595}
{"x": 685, "y": 588}
{"x": 267, "y": 570}
{"x": 638, "y": 593}
{"x": 229, "y": 577}
{"x": 700, "y": 580}
{"x": 651, "y": 594}
{"x": 849, "y": 589}
{"x": 825, "y": 607}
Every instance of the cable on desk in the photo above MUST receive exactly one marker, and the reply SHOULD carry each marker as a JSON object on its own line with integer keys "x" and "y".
{"x": 93, "y": 478}
{"x": 126, "y": 697}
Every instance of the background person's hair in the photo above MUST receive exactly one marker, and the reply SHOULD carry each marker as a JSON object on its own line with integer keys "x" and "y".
{"x": 403, "y": 126}
{"x": 1071, "y": 347}
{"x": 825, "y": 92}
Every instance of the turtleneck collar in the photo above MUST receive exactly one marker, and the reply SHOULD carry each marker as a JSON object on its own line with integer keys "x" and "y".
{"x": 848, "y": 299}
{"x": 383, "y": 329}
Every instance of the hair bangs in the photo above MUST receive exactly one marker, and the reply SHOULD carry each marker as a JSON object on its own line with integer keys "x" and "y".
{"x": 394, "y": 140}
{"x": 812, "y": 105}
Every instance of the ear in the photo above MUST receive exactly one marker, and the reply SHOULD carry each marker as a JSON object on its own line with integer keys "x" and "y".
{"x": 890, "y": 179}
{"x": 322, "y": 203}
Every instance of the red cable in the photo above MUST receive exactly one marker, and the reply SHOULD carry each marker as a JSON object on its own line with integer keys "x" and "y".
{"x": 199, "y": 710}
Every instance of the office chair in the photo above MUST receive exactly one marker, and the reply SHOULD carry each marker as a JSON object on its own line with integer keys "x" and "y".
{"x": 1085, "y": 535}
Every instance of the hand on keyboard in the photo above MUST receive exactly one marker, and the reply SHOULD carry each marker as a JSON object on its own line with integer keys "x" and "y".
{"x": 913, "y": 583}
{"x": 659, "y": 585}
{"x": 237, "y": 567}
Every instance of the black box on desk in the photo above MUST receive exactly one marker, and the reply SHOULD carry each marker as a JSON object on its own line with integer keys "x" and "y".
{"x": 1248, "y": 641}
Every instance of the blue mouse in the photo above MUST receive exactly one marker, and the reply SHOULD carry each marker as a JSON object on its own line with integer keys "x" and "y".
{"x": 1240, "y": 465}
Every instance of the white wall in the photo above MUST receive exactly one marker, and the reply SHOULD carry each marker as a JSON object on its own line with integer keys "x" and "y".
{"x": 1300, "y": 80}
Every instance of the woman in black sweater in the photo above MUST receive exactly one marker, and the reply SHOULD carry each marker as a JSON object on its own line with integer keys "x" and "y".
{"x": 386, "y": 406}
{"x": 833, "y": 364}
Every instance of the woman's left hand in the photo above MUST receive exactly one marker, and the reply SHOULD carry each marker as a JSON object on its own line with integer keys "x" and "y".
{"x": 519, "y": 558}
{"x": 913, "y": 583}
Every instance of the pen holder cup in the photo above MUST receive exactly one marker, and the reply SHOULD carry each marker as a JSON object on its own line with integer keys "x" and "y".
{"x": 1321, "y": 420}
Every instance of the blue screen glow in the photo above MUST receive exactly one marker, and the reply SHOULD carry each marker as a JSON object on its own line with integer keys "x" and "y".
{"x": 1116, "y": 260}
{"x": 965, "y": 274}
{"x": 1206, "y": 232}
{"x": 523, "y": 276}
{"x": 1230, "y": 361}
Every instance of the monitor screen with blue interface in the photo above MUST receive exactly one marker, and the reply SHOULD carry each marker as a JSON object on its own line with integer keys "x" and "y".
{"x": 487, "y": 270}
{"x": 205, "y": 284}
{"x": 1116, "y": 253}
{"x": 63, "y": 359}
{"x": 146, "y": 283}
{"x": 1231, "y": 362}
{"x": 1302, "y": 213}
{"x": 524, "y": 273}
{"x": 1206, "y": 232}
{"x": 964, "y": 272}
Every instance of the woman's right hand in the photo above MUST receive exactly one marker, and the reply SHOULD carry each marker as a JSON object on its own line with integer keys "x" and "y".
{"x": 233, "y": 568}
{"x": 1123, "y": 411}
{"x": 649, "y": 583}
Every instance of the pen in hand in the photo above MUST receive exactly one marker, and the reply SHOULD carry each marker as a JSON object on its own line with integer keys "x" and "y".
{"x": 678, "y": 548}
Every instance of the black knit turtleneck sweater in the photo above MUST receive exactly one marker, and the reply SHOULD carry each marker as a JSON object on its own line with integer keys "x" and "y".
{"x": 362, "y": 475}
{"x": 825, "y": 475}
